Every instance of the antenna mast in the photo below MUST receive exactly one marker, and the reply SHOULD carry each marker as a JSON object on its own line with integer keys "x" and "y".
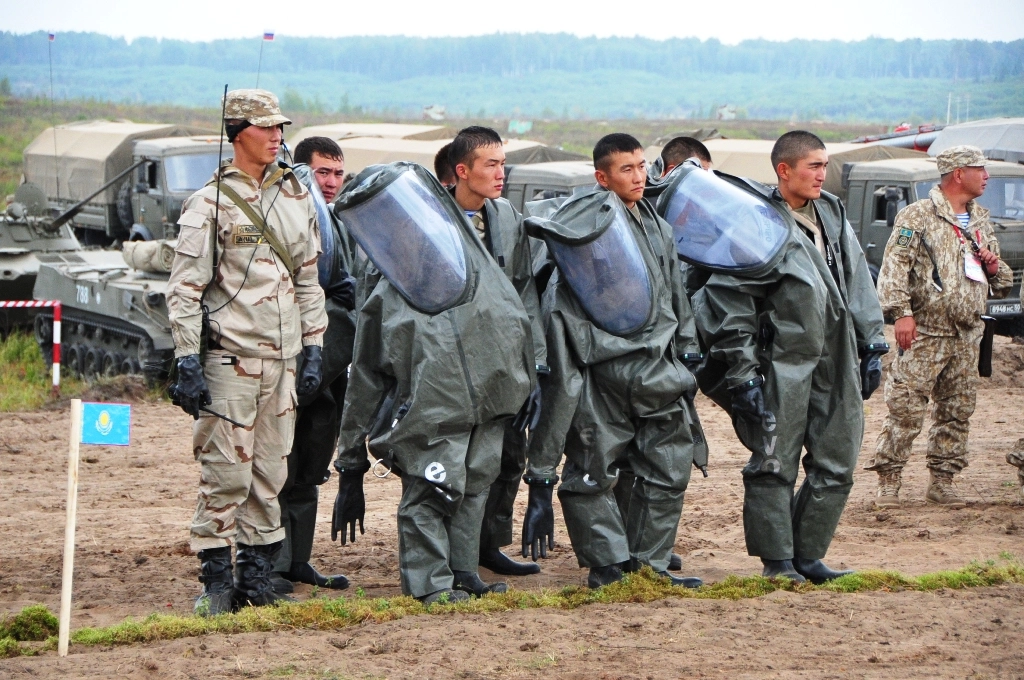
{"x": 51, "y": 36}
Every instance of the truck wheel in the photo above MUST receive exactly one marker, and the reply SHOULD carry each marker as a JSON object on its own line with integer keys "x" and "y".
{"x": 93, "y": 364}
{"x": 124, "y": 205}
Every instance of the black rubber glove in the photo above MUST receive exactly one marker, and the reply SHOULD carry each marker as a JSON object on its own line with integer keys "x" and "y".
{"x": 539, "y": 523}
{"x": 312, "y": 370}
{"x": 748, "y": 401}
{"x": 529, "y": 414}
{"x": 344, "y": 292}
{"x": 190, "y": 392}
{"x": 349, "y": 507}
{"x": 870, "y": 374}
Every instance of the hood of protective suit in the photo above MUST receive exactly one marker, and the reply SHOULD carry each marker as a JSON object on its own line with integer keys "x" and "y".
{"x": 591, "y": 240}
{"x": 327, "y": 263}
{"x": 408, "y": 227}
{"x": 721, "y": 223}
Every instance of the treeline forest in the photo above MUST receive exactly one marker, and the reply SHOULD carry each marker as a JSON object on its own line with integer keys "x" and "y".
{"x": 539, "y": 75}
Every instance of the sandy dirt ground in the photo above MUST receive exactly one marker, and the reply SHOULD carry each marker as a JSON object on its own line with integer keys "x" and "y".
{"x": 133, "y": 559}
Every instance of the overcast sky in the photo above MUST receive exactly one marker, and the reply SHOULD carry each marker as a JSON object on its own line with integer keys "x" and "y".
{"x": 730, "y": 21}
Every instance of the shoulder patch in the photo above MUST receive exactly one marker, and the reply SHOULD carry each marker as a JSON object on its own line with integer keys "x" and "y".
{"x": 904, "y": 237}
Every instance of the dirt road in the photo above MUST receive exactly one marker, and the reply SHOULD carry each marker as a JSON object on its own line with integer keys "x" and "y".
{"x": 133, "y": 559}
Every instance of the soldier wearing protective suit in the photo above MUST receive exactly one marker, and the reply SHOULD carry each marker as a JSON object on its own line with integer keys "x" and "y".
{"x": 443, "y": 359}
{"x": 320, "y": 165}
{"x": 619, "y": 330}
{"x": 477, "y": 161}
{"x": 787, "y": 313}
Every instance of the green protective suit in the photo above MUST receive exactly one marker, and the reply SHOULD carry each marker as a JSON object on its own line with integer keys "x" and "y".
{"x": 318, "y": 422}
{"x": 449, "y": 370}
{"x": 799, "y": 321}
{"x": 508, "y": 244}
{"x": 618, "y": 393}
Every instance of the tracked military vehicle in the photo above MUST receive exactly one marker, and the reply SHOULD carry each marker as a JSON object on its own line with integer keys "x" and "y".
{"x": 114, "y": 311}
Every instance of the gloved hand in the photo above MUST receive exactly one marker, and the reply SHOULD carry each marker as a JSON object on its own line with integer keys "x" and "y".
{"x": 190, "y": 392}
{"x": 748, "y": 401}
{"x": 349, "y": 507}
{"x": 870, "y": 374}
{"x": 312, "y": 370}
{"x": 539, "y": 523}
{"x": 344, "y": 292}
{"x": 529, "y": 414}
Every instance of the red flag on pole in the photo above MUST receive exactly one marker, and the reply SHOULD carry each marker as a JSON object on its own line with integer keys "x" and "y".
{"x": 267, "y": 35}
{"x": 51, "y": 36}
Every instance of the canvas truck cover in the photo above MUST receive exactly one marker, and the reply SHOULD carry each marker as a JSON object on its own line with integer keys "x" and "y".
{"x": 339, "y": 131}
{"x": 363, "y": 151}
{"x": 1000, "y": 139}
{"x": 750, "y": 158}
{"x": 861, "y": 154}
{"x": 87, "y": 155}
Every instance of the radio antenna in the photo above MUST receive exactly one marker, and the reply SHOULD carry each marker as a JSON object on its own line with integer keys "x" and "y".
{"x": 51, "y": 36}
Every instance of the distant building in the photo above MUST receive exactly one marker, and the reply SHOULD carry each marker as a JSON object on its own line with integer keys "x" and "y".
{"x": 727, "y": 112}
{"x": 433, "y": 112}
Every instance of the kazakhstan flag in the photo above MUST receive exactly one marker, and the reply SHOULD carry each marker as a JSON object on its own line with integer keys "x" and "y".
{"x": 106, "y": 424}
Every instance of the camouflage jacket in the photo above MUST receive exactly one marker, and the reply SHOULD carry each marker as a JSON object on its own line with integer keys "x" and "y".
{"x": 926, "y": 236}
{"x": 257, "y": 307}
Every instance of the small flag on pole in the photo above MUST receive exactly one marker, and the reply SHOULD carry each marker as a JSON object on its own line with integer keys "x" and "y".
{"x": 51, "y": 36}
{"x": 267, "y": 35}
{"x": 106, "y": 424}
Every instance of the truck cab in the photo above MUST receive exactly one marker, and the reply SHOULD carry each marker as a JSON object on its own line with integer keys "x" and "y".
{"x": 539, "y": 181}
{"x": 174, "y": 169}
{"x": 877, "y": 190}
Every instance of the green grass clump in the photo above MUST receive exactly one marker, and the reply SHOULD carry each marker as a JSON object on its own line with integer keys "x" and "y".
{"x": 644, "y": 586}
{"x": 32, "y": 624}
{"x": 25, "y": 380}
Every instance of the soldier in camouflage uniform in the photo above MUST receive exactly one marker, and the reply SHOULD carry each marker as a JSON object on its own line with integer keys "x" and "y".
{"x": 259, "y": 288}
{"x": 940, "y": 265}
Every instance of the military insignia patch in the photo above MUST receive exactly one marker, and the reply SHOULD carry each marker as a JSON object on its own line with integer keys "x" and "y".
{"x": 248, "y": 235}
{"x": 903, "y": 240}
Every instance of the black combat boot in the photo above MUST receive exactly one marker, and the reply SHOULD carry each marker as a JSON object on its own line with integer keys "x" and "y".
{"x": 215, "y": 575}
{"x": 774, "y": 568}
{"x": 280, "y": 583}
{"x": 469, "y": 582}
{"x": 602, "y": 576}
{"x": 500, "y": 563}
{"x": 816, "y": 572}
{"x": 253, "y": 566}
{"x": 675, "y": 563}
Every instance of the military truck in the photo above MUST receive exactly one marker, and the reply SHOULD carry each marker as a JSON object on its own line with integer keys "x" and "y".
{"x": 875, "y": 191}
{"x": 540, "y": 181}
{"x": 72, "y": 162}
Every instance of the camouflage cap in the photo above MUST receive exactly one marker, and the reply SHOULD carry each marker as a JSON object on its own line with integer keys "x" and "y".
{"x": 259, "y": 107}
{"x": 961, "y": 156}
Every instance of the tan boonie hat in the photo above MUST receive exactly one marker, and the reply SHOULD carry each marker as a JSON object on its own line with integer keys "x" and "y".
{"x": 259, "y": 107}
{"x": 961, "y": 156}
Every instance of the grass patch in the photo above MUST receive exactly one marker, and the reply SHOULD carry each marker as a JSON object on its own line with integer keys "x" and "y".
{"x": 644, "y": 586}
{"x": 25, "y": 380}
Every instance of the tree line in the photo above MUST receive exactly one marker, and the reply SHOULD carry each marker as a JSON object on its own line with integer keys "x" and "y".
{"x": 397, "y": 57}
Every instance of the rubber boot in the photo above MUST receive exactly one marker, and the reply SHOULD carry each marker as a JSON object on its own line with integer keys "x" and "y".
{"x": 602, "y": 576}
{"x": 777, "y": 568}
{"x": 500, "y": 563}
{"x": 445, "y": 596}
{"x": 469, "y": 582}
{"x": 816, "y": 572}
{"x": 215, "y": 575}
{"x": 675, "y": 563}
{"x": 942, "y": 492}
{"x": 684, "y": 581}
{"x": 888, "y": 495}
{"x": 253, "y": 566}
{"x": 304, "y": 572}
{"x": 280, "y": 583}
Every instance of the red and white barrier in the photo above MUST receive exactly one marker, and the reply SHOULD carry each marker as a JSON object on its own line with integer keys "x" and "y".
{"x": 26, "y": 304}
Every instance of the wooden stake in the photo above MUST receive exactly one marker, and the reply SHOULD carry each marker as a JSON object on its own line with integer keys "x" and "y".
{"x": 69, "y": 529}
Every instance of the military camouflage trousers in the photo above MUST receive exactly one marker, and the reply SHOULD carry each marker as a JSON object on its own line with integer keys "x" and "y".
{"x": 1016, "y": 458}
{"x": 243, "y": 469}
{"x": 942, "y": 369}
